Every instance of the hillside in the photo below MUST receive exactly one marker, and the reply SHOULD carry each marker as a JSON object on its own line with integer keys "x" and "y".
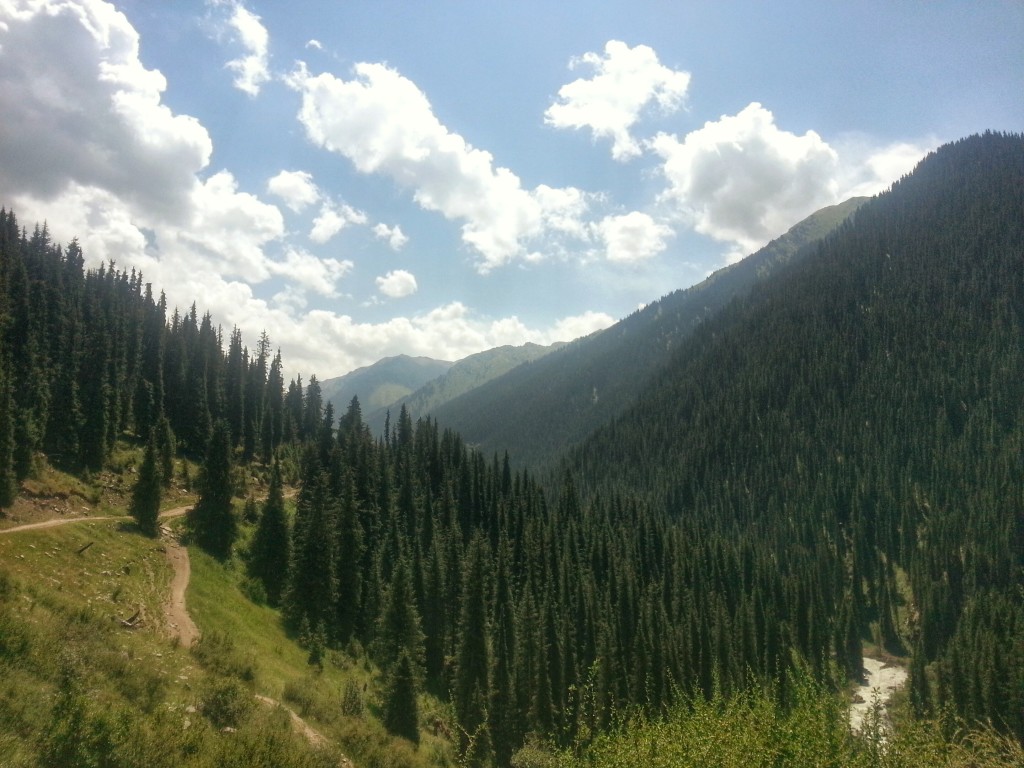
{"x": 379, "y": 385}
{"x": 538, "y": 410}
{"x": 870, "y": 400}
{"x": 465, "y": 375}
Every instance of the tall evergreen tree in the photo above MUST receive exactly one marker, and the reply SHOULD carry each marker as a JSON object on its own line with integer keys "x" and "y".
{"x": 212, "y": 520}
{"x": 399, "y": 629}
{"x": 472, "y": 662}
{"x": 271, "y": 546}
{"x": 401, "y": 710}
{"x": 145, "y": 506}
{"x": 8, "y": 479}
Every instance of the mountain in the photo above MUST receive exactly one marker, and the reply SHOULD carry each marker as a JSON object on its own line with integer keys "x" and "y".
{"x": 868, "y": 401}
{"x": 381, "y": 384}
{"x": 539, "y": 409}
{"x": 465, "y": 375}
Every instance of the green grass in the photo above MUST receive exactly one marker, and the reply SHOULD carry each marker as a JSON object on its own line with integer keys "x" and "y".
{"x": 256, "y": 639}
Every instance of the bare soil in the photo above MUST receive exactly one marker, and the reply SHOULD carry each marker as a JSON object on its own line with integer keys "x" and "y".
{"x": 176, "y": 613}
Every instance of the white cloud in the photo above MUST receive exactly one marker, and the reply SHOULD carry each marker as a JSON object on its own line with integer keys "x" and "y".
{"x": 315, "y": 44}
{"x": 632, "y": 237}
{"x": 333, "y": 218}
{"x": 311, "y": 272}
{"x": 868, "y": 169}
{"x": 384, "y": 124}
{"x": 625, "y": 81}
{"x": 252, "y": 69}
{"x": 67, "y": 116}
{"x": 569, "y": 328}
{"x": 394, "y": 236}
{"x": 87, "y": 144}
{"x": 296, "y": 188}
{"x": 397, "y": 284}
{"x": 743, "y": 180}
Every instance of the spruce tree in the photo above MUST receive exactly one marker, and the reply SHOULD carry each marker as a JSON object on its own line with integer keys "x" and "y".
{"x": 401, "y": 711}
{"x": 145, "y": 506}
{"x": 399, "y": 630}
{"x": 165, "y": 442}
{"x": 212, "y": 519}
{"x": 270, "y": 549}
{"x": 311, "y": 594}
{"x": 472, "y": 661}
{"x": 8, "y": 479}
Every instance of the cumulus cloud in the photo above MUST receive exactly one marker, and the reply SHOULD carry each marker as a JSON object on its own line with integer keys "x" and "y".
{"x": 384, "y": 124}
{"x": 632, "y": 237}
{"x": 87, "y": 144}
{"x": 312, "y": 272}
{"x": 397, "y": 284}
{"x": 70, "y": 115}
{"x": 743, "y": 180}
{"x": 333, "y": 218}
{"x": 251, "y": 70}
{"x": 394, "y": 236}
{"x": 295, "y": 188}
{"x": 868, "y": 169}
{"x": 625, "y": 82}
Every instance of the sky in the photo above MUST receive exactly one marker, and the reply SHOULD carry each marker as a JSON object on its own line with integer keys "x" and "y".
{"x": 362, "y": 179}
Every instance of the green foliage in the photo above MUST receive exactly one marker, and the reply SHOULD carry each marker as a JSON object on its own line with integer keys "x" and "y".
{"x": 750, "y": 731}
{"x": 226, "y": 702}
{"x": 270, "y": 549}
{"x": 401, "y": 711}
{"x": 145, "y": 505}
{"x": 212, "y": 520}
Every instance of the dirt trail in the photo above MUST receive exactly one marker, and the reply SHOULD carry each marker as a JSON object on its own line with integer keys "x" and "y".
{"x": 176, "y": 512}
{"x": 175, "y": 612}
{"x": 312, "y": 735}
{"x": 54, "y": 523}
{"x": 881, "y": 681}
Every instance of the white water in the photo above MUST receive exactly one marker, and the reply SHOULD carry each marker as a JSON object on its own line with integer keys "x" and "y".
{"x": 881, "y": 681}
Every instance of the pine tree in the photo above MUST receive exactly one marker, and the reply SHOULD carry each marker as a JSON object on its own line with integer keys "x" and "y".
{"x": 145, "y": 507}
{"x": 8, "y": 479}
{"x": 271, "y": 547}
{"x": 472, "y": 663}
{"x": 312, "y": 591}
{"x": 401, "y": 710}
{"x": 165, "y": 442}
{"x": 212, "y": 520}
{"x": 399, "y": 629}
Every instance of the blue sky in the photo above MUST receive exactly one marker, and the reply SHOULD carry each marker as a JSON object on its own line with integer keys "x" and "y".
{"x": 362, "y": 179}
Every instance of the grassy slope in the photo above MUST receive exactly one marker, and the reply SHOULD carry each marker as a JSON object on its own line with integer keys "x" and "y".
{"x": 137, "y": 698}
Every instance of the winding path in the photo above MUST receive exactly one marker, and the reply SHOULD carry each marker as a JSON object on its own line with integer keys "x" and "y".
{"x": 175, "y": 611}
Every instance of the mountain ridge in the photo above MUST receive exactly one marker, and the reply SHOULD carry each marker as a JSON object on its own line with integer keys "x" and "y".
{"x": 536, "y": 411}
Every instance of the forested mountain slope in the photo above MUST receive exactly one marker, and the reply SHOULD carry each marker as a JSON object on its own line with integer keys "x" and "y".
{"x": 538, "y": 410}
{"x": 379, "y": 385}
{"x": 870, "y": 402}
{"x": 465, "y": 375}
